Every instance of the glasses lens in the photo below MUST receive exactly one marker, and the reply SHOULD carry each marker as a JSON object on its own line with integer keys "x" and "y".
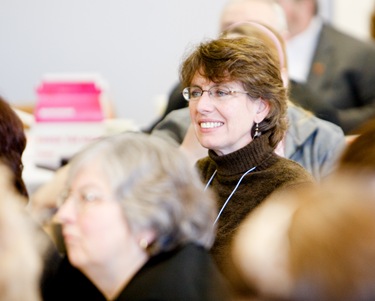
{"x": 88, "y": 197}
{"x": 220, "y": 92}
{"x": 192, "y": 93}
{"x": 186, "y": 93}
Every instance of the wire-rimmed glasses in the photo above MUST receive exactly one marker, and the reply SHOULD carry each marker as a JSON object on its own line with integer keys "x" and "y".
{"x": 80, "y": 198}
{"x": 216, "y": 92}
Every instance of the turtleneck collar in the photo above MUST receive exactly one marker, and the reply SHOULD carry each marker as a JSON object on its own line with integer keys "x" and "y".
{"x": 253, "y": 154}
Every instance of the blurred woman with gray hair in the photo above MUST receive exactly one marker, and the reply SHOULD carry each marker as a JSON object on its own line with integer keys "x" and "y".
{"x": 137, "y": 224}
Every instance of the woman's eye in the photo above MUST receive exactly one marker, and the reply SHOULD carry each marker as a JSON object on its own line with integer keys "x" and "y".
{"x": 196, "y": 93}
{"x": 88, "y": 197}
{"x": 221, "y": 93}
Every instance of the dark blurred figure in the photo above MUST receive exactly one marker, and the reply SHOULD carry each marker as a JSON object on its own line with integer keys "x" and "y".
{"x": 13, "y": 143}
{"x": 175, "y": 102}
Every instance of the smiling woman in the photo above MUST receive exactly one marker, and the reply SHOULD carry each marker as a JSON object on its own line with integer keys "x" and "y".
{"x": 134, "y": 216}
{"x": 241, "y": 130}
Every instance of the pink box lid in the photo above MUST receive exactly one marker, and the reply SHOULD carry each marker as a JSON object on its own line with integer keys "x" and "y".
{"x": 68, "y": 101}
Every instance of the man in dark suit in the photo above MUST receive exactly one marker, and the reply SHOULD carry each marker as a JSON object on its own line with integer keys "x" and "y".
{"x": 334, "y": 67}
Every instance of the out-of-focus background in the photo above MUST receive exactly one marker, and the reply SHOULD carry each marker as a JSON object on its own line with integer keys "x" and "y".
{"x": 135, "y": 46}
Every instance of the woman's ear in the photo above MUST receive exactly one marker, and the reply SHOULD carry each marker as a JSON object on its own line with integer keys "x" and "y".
{"x": 262, "y": 111}
{"x": 145, "y": 238}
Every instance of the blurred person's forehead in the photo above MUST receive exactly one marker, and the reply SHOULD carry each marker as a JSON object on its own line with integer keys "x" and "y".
{"x": 242, "y": 11}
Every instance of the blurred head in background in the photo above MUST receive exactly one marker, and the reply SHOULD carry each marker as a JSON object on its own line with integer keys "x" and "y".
{"x": 13, "y": 143}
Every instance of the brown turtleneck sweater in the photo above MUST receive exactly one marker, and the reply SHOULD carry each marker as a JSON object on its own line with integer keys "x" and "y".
{"x": 272, "y": 172}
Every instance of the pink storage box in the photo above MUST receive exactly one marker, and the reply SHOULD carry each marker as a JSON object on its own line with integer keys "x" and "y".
{"x": 68, "y": 101}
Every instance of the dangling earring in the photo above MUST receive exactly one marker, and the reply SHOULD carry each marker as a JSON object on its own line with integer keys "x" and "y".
{"x": 143, "y": 243}
{"x": 257, "y": 133}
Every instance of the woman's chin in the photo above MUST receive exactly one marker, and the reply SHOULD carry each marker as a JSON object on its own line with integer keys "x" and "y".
{"x": 76, "y": 259}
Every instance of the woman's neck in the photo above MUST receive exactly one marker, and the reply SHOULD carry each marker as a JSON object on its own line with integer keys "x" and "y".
{"x": 110, "y": 278}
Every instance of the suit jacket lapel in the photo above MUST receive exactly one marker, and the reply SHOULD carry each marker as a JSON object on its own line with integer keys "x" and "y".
{"x": 321, "y": 68}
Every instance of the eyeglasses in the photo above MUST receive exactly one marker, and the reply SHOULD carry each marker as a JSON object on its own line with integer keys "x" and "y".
{"x": 217, "y": 92}
{"x": 80, "y": 198}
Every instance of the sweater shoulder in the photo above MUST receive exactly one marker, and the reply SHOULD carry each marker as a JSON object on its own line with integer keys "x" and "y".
{"x": 293, "y": 171}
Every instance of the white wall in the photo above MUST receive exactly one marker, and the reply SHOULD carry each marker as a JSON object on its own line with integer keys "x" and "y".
{"x": 350, "y": 16}
{"x": 135, "y": 45}
{"x": 353, "y": 16}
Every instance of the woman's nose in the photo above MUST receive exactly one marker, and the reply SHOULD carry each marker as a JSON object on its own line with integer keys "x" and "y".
{"x": 205, "y": 103}
{"x": 66, "y": 212}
